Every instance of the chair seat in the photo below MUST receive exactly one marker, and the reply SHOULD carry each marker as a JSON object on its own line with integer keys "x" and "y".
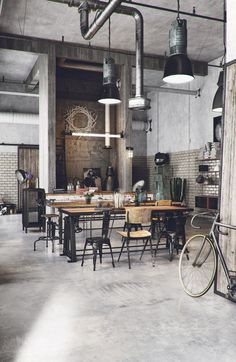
{"x": 135, "y": 234}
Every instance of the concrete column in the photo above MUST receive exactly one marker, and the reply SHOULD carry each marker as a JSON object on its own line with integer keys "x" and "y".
{"x": 124, "y": 123}
{"x": 47, "y": 120}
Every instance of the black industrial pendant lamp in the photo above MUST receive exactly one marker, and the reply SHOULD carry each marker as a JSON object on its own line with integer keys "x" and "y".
{"x": 178, "y": 68}
{"x": 109, "y": 92}
{"x": 217, "y": 104}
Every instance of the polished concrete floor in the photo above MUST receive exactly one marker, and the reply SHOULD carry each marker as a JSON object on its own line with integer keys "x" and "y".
{"x": 55, "y": 311}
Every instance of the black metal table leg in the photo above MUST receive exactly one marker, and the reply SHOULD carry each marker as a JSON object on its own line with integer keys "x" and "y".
{"x": 60, "y": 225}
{"x": 73, "y": 257}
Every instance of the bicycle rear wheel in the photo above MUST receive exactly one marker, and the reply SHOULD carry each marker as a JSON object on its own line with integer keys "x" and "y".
{"x": 197, "y": 265}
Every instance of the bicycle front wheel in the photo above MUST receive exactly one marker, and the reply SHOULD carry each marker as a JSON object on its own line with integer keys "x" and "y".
{"x": 197, "y": 265}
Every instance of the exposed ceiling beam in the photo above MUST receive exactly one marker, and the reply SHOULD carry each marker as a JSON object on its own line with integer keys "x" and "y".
{"x": 193, "y": 14}
{"x": 195, "y": 93}
{"x": 9, "y": 93}
{"x": 80, "y": 52}
{"x": 10, "y": 87}
{"x": 33, "y": 78}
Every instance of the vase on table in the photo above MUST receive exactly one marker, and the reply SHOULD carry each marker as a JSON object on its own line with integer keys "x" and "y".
{"x": 88, "y": 200}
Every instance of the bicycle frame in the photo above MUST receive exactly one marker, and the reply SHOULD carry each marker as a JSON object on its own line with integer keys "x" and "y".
{"x": 216, "y": 225}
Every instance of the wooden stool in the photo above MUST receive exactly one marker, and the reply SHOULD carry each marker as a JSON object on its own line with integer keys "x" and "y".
{"x": 51, "y": 230}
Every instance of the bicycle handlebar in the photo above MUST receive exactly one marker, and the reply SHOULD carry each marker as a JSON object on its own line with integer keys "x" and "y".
{"x": 209, "y": 213}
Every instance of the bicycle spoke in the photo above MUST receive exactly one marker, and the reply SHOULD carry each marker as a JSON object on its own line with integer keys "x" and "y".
{"x": 198, "y": 271}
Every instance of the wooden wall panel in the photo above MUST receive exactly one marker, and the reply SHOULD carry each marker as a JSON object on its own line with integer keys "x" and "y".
{"x": 28, "y": 160}
{"x": 228, "y": 184}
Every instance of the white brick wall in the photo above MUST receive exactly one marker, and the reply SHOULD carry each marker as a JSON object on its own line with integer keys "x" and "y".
{"x": 8, "y": 182}
{"x": 185, "y": 164}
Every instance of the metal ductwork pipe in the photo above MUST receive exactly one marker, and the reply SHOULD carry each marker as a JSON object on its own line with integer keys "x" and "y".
{"x": 87, "y": 31}
{"x": 139, "y": 102}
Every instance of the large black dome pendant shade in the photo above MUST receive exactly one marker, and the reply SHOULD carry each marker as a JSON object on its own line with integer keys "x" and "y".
{"x": 178, "y": 68}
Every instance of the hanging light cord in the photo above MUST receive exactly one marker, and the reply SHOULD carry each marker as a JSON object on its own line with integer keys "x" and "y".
{"x": 109, "y": 36}
{"x": 178, "y": 7}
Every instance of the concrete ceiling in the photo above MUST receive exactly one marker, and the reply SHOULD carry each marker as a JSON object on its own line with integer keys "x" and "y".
{"x": 51, "y": 20}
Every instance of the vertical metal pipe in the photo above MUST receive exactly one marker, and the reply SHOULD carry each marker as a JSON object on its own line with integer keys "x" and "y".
{"x": 139, "y": 53}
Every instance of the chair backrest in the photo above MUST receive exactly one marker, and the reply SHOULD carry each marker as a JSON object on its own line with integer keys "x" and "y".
{"x": 138, "y": 215}
{"x": 105, "y": 223}
{"x": 164, "y": 203}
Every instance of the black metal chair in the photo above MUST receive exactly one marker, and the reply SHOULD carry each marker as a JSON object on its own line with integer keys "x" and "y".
{"x": 50, "y": 230}
{"x": 97, "y": 242}
{"x": 173, "y": 230}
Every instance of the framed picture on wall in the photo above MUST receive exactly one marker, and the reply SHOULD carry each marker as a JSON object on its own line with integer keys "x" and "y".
{"x": 217, "y": 129}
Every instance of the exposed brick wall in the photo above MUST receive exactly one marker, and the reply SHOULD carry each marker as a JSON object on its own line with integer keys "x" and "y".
{"x": 8, "y": 182}
{"x": 185, "y": 164}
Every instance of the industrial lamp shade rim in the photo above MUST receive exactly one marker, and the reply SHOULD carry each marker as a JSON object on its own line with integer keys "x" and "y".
{"x": 178, "y": 69}
{"x": 217, "y": 104}
{"x": 109, "y": 101}
{"x": 109, "y": 94}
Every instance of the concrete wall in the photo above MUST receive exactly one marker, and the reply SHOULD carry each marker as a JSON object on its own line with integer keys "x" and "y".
{"x": 230, "y": 30}
{"x": 183, "y": 122}
{"x": 18, "y": 128}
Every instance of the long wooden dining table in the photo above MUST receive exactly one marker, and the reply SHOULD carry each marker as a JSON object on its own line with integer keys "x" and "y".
{"x": 74, "y": 214}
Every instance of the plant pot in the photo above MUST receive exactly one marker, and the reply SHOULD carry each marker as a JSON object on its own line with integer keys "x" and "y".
{"x": 88, "y": 200}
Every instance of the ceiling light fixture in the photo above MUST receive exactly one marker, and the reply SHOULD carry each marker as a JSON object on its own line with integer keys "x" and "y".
{"x": 178, "y": 68}
{"x": 102, "y": 135}
{"x": 217, "y": 104}
{"x": 109, "y": 93}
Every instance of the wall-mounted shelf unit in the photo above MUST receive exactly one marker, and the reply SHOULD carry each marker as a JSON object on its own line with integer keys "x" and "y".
{"x": 206, "y": 202}
{"x": 207, "y": 197}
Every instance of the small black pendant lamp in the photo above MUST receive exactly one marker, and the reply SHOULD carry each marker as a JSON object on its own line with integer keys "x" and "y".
{"x": 109, "y": 93}
{"x": 178, "y": 68}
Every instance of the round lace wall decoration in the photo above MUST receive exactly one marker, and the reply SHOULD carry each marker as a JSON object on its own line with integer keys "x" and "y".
{"x": 80, "y": 119}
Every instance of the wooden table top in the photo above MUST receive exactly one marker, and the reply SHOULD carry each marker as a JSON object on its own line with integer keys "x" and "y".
{"x": 92, "y": 210}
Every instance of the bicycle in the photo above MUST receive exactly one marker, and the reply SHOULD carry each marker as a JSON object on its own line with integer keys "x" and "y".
{"x": 198, "y": 260}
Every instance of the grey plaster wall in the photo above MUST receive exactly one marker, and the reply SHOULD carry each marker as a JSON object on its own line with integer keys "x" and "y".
{"x": 153, "y": 114}
{"x": 19, "y": 133}
{"x": 183, "y": 122}
{"x": 10, "y": 103}
{"x": 17, "y": 128}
